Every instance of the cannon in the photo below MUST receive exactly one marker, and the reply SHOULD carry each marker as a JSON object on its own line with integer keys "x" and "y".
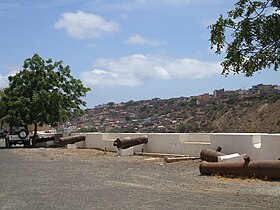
{"x": 211, "y": 155}
{"x": 263, "y": 169}
{"x": 70, "y": 140}
{"x": 126, "y": 142}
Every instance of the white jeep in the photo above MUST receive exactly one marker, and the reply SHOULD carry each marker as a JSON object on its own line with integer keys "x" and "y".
{"x": 18, "y": 135}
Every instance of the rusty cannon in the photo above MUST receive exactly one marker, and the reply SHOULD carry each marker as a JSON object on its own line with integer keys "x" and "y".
{"x": 263, "y": 169}
{"x": 211, "y": 155}
{"x": 126, "y": 142}
{"x": 70, "y": 140}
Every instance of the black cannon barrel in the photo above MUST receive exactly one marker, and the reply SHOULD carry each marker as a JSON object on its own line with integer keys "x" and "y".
{"x": 264, "y": 169}
{"x": 126, "y": 142}
{"x": 211, "y": 155}
{"x": 70, "y": 139}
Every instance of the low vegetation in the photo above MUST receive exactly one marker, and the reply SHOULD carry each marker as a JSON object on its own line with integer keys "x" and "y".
{"x": 258, "y": 112}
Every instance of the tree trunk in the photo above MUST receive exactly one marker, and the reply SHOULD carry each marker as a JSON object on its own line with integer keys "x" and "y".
{"x": 35, "y": 134}
{"x": 2, "y": 124}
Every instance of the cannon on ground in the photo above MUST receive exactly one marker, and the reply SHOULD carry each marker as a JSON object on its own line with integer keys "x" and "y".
{"x": 126, "y": 142}
{"x": 264, "y": 169}
{"x": 211, "y": 155}
{"x": 70, "y": 140}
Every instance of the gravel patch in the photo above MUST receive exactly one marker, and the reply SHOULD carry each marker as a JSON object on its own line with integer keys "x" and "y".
{"x": 59, "y": 178}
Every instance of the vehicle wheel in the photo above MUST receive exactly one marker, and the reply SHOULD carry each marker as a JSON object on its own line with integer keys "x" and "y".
{"x": 22, "y": 134}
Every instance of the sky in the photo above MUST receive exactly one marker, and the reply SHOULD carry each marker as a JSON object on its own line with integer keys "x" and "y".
{"x": 122, "y": 49}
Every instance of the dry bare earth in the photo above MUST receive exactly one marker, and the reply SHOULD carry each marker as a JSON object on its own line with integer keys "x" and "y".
{"x": 56, "y": 178}
{"x": 259, "y": 118}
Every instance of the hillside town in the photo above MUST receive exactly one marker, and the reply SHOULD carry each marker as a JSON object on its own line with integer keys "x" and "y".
{"x": 184, "y": 114}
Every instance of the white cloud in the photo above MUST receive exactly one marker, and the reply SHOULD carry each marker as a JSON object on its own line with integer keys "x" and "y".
{"x": 12, "y": 70}
{"x": 138, "y": 39}
{"x": 277, "y": 11}
{"x": 3, "y": 81}
{"x": 103, "y": 78}
{"x": 82, "y": 25}
{"x": 136, "y": 69}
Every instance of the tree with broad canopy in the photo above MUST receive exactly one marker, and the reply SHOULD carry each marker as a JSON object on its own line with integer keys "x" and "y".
{"x": 43, "y": 92}
{"x": 251, "y": 35}
{"x": 2, "y": 109}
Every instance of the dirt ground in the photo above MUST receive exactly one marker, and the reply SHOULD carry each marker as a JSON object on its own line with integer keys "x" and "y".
{"x": 60, "y": 178}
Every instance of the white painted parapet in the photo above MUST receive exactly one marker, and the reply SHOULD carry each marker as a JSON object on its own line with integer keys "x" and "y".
{"x": 171, "y": 143}
{"x": 270, "y": 147}
{"x": 99, "y": 141}
{"x": 164, "y": 143}
{"x": 71, "y": 146}
{"x": 193, "y": 143}
{"x": 125, "y": 152}
{"x": 235, "y": 143}
{"x": 256, "y": 146}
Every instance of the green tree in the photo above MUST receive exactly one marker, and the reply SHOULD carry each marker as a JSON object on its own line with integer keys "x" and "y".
{"x": 84, "y": 130}
{"x": 251, "y": 35}
{"x": 2, "y": 109}
{"x": 182, "y": 128}
{"x": 127, "y": 118}
{"x": 43, "y": 92}
{"x": 111, "y": 104}
{"x": 129, "y": 130}
{"x": 1, "y": 92}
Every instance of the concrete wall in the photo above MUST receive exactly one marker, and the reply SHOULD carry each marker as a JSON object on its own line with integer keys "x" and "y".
{"x": 158, "y": 142}
{"x": 270, "y": 147}
{"x": 193, "y": 143}
{"x": 257, "y": 146}
{"x": 234, "y": 143}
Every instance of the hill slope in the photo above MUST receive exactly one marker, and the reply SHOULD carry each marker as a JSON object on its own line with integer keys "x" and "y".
{"x": 261, "y": 117}
{"x": 230, "y": 113}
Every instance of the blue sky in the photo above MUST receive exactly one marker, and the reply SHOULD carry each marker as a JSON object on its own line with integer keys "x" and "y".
{"x": 122, "y": 49}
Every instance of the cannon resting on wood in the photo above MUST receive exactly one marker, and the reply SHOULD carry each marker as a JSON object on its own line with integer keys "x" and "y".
{"x": 263, "y": 169}
{"x": 126, "y": 142}
{"x": 211, "y": 155}
{"x": 70, "y": 140}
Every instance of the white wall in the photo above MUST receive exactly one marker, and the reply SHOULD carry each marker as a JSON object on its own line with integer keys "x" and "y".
{"x": 270, "y": 147}
{"x": 193, "y": 143}
{"x": 98, "y": 141}
{"x": 157, "y": 142}
{"x": 235, "y": 143}
{"x": 257, "y": 146}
